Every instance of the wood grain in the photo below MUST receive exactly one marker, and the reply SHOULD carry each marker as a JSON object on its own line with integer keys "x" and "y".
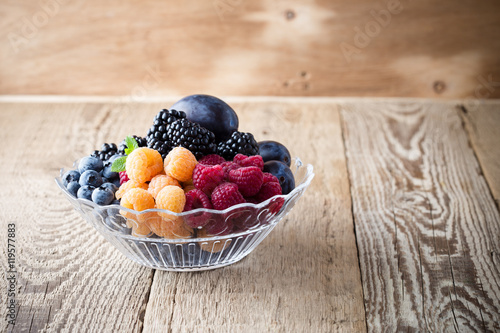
{"x": 427, "y": 227}
{"x": 304, "y": 276}
{"x": 69, "y": 278}
{"x": 235, "y": 47}
{"x": 482, "y": 122}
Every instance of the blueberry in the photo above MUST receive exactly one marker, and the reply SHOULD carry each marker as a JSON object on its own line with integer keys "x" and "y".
{"x": 110, "y": 186}
{"x": 103, "y": 196}
{"x": 274, "y": 151}
{"x": 116, "y": 182}
{"x": 106, "y": 172}
{"x": 283, "y": 173}
{"x": 113, "y": 158}
{"x": 211, "y": 113}
{"x": 85, "y": 192}
{"x": 70, "y": 176}
{"x": 90, "y": 177}
{"x": 90, "y": 163}
{"x": 73, "y": 188}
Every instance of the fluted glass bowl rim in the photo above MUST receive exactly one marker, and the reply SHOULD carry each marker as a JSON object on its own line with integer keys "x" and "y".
{"x": 304, "y": 183}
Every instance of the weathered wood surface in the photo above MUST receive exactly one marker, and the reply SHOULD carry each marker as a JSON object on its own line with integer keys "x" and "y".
{"x": 483, "y": 125}
{"x": 261, "y": 47}
{"x": 427, "y": 228}
{"x": 304, "y": 276}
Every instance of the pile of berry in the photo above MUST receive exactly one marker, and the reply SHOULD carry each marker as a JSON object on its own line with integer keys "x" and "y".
{"x": 93, "y": 180}
{"x": 189, "y": 159}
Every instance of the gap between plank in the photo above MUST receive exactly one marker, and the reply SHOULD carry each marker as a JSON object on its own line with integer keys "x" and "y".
{"x": 169, "y": 327}
{"x": 342, "y": 127}
{"x": 462, "y": 110}
{"x": 142, "y": 314}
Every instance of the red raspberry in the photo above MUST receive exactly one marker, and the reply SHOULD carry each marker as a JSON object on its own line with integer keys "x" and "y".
{"x": 226, "y": 195}
{"x": 228, "y": 166}
{"x": 270, "y": 178}
{"x": 123, "y": 177}
{"x": 220, "y": 225}
{"x": 239, "y": 157}
{"x": 212, "y": 159}
{"x": 275, "y": 205}
{"x": 248, "y": 179}
{"x": 207, "y": 177}
{"x": 197, "y": 199}
{"x": 246, "y": 161}
{"x": 268, "y": 190}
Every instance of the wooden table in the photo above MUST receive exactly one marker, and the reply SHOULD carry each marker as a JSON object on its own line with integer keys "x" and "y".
{"x": 399, "y": 232}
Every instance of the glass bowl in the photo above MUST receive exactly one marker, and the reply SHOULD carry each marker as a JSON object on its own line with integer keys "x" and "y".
{"x": 228, "y": 236}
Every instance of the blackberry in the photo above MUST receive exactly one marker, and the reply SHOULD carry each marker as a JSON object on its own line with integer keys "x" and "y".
{"x": 185, "y": 133}
{"x": 157, "y": 137}
{"x": 162, "y": 147}
{"x": 141, "y": 142}
{"x": 107, "y": 150}
{"x": 238, "y": 143}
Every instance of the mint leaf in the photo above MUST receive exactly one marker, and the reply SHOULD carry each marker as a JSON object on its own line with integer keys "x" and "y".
{"x": 131, "y": 144}
{"x": 119, "y": 164}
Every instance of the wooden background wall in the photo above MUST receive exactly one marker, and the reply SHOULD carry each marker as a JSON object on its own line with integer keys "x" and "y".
{"x": 139, "y": 48}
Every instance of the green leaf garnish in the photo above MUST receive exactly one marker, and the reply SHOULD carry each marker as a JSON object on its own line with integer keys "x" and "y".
{"x": 131, "y": 144}
{"x": 119, "y": 164}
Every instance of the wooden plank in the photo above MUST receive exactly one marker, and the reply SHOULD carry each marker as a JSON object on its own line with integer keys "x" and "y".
{"x": 304, "y": 277}
{"x": 482, "y": 122}
{"x": 427, "y": 227}
{"x": 262, "y": 47}
{"x": 69, "y": 278}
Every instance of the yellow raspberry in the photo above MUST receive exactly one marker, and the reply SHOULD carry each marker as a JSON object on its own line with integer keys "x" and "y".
{"x": 212, "y": 246}
{"x": 171, "y": 198}
{"x": 138, "y": 199}
{"x": 159, "y": 182}
{"x": 143, "y": 164}
{"x": 138, "y": 229}
{"x": 172, "y": 228}
{"x": 125, "y": 187}
{"x": 179, "y": 164}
